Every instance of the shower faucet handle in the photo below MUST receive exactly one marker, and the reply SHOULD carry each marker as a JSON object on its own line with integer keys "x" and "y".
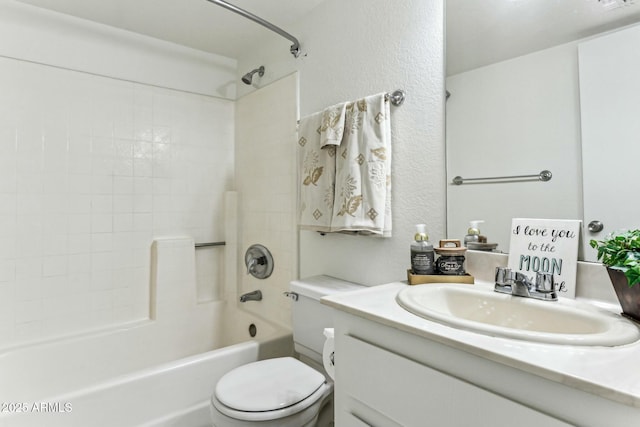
{"x": 259, "y": 261}
{"x": 251, "y": 265}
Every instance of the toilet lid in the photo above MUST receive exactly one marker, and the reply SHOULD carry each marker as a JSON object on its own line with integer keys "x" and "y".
{"x": 268, "y": 385}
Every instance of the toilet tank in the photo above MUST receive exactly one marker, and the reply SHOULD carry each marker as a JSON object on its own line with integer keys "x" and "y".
{"x": 310, "y": 316}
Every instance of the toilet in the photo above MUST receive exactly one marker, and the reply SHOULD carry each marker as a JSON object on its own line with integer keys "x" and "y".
{"x": 285, "y": 391}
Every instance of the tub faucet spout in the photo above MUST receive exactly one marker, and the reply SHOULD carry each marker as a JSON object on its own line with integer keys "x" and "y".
{"x": 251, "y": 296}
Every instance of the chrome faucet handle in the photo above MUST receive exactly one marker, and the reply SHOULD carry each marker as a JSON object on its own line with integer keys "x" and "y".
{"x": 251, "y": 265}
{"x": 504, "y": 280}
{"x": 545, "y": 282}
{"x": 504, "y": 276}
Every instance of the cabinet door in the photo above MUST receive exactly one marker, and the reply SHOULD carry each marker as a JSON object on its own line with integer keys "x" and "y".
{"x": 609, "y": 109}
{"x": 380, "y": 388}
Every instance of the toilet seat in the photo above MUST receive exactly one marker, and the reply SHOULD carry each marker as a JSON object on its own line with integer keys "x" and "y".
{"x": 269, "y": 389}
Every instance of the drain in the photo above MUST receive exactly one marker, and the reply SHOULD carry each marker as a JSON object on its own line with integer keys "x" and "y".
{"x": 253, "y": 330}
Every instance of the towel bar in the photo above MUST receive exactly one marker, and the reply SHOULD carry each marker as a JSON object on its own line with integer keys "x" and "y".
{"x": 396, "y": 97}
{"x": 208, "y": 244}
{"x": 545, "y": 175}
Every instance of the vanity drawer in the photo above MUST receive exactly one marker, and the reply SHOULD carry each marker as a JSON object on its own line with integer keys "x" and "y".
{"x": 413, "y": 394}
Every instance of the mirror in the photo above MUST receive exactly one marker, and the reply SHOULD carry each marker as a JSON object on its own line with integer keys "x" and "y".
{"x": 516, "y": 108}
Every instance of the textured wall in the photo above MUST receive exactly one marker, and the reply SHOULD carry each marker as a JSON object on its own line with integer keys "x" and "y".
{"x": 357, "y": 48}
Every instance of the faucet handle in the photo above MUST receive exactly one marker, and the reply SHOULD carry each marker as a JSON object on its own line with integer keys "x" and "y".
{"x": 503, "y": 275}
{"x": 545, "y": 282}
{"x": 251, "y": 265}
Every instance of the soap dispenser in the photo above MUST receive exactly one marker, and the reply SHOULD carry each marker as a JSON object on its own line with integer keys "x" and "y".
{"x": 422, "y": 254}
{"x": 473, "y": 233}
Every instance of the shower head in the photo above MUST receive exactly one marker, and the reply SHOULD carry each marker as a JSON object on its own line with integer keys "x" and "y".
{"x": 249, "y": 76}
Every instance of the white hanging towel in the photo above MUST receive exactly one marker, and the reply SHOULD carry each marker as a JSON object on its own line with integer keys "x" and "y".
{"x": 318, "y": 136}
{"x": 363, "y": 169}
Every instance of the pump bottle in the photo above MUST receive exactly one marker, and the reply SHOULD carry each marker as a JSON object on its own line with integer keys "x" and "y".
{"x": 422, "y": 254}
{"x": 473, "y": 233}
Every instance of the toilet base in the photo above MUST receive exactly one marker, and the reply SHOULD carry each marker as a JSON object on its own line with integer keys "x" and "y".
{"x": 320, "y": 414}
{"x": 326, "y": 417}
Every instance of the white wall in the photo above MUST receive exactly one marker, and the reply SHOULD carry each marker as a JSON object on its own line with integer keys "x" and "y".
{"x": 265, "y": 177}
{"x": 609, "y": 92}
{"x": 354, "y": 49}
{"x": 516, "y": 117}
{"x": 93, "y": 168}
{"x": 33, "y": 34}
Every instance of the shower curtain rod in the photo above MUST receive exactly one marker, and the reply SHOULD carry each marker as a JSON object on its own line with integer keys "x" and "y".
{"x": 295, "y": 47}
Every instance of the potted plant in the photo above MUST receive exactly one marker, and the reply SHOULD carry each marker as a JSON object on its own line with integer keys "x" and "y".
{"x": 620, "y": 253}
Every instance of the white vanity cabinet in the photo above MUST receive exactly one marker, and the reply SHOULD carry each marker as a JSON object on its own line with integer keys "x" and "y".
{"x": 382, "y": 388}
{"x": 389, "y": 377}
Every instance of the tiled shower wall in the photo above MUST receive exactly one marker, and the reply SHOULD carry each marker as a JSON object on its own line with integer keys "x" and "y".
{"x": 265, "y": 165}
{"x": 91, "y": 170}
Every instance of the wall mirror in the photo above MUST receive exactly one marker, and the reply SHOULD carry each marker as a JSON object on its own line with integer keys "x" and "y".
{"x": 533, "y": 89}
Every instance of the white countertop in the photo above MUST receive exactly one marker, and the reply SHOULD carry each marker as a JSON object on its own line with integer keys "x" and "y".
{"x": 609, "y": 372}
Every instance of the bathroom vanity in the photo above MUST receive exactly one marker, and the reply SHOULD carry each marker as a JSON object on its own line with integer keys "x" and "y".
{"x": 394, "y": 368}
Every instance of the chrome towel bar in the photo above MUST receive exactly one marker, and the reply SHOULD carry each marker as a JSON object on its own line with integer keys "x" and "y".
{"x": 208, "y": 244}
{"x": 545, "y": 175}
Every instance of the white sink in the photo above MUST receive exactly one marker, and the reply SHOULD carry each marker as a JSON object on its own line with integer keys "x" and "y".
{"x": 491, "y": 313}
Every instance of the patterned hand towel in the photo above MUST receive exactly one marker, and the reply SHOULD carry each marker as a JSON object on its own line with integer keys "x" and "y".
{"x": 332, "y": 129}
{"x": 316, "y": 171}
{"x": 363, "y": 169}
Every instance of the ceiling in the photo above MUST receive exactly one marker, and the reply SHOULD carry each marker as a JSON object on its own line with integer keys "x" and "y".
{"x": 198, "y": 24}
{"x": 479, "y": 32}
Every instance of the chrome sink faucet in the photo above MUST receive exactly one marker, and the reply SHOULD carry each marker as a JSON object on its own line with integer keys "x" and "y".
{"x": 518, "y": 284}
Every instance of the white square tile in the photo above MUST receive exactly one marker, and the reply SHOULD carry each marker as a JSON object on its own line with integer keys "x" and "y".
{"x": 101, "y": 242}
{"x": 56, "y": 265}
{"x": 102, "y": 263}
{"x": 55, "y": 244}
{"x": 79, "y": 174}
{"x": 122, "y": 185}
{"x": 7, "y": 271}
{"x": 102, "y": 184}
{"x": 101, "y": 223}
{"x": 79, "y": 224}
{"x": 102, "y": 204}
{"x": 122, "y": 222}
{"x": 123, "y": 203}
{"x": 79, "y": 263}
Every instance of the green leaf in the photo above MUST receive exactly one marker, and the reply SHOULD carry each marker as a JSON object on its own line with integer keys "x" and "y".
{"x": 621, "y": 250}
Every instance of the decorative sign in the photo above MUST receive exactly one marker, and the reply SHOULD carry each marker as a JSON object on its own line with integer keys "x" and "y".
{"x": 546, "y": 246}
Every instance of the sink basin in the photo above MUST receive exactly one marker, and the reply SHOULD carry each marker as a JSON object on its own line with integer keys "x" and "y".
{"x": 484, "y": 311}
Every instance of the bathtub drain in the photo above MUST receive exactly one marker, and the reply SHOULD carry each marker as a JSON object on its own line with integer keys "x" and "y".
{"x": 253, "y": 330}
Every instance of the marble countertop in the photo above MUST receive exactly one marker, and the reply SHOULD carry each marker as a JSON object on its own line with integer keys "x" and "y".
{"x": 609, "y": 372}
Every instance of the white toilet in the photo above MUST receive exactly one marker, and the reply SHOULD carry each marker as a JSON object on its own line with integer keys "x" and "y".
{"x": 285, "y": 392}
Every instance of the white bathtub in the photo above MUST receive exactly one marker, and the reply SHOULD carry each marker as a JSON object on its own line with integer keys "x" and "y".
{"x": 130, "y": 376}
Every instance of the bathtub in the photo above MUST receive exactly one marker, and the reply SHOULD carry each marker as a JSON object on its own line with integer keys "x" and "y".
{"x": 131, "y": 376}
